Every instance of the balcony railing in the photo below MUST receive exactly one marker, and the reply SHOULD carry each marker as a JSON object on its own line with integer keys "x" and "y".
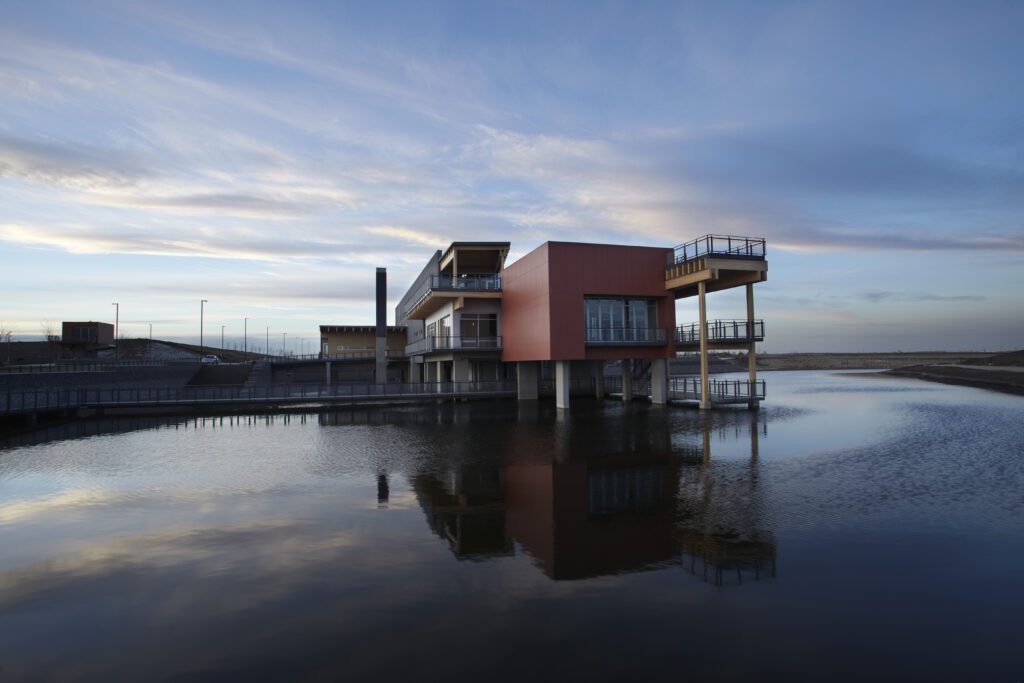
{"x": 441, "y": 344}
{"x": 737, "y": 331}
{"x": 470, "y": 283}
{"x": 720, "y": 390}
{"x": 719, "y": 246}
{"x": 632, "y": 336}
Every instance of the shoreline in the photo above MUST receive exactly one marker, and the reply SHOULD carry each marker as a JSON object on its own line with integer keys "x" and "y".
{"x": 1003, "y": 380}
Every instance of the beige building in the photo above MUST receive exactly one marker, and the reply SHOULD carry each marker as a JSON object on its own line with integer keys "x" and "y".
{"x": 359, "y": 341}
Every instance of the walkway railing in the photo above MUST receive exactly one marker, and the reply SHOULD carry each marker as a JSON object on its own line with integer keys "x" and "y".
{"x": 439, "y": 344}
{"x": 722, "y": 331}
{"x": 473, "y": 283}
{"x": 625, "y": 336}
{"x": 720, "y": 390}
{"x": 719, "y": 246}
{"x": 21, "y": 402}
{"x": 92, "y": 365}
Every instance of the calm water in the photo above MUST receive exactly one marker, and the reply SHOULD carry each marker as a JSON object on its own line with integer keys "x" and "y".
{"x": 856, "y": 527}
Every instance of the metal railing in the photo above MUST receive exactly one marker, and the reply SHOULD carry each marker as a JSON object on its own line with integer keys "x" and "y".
{"x": 625, "y": 335}
{"x": 361, "y": 354}
{"x": 21, "y": 402}
{"x": 92, "y": 365}
{"x": 722, "y": 331}
{"x": 473, "y": 283}
{"x": 446, "y": 283}
{"x": 437, "y": 344}
{"x": 722, "y": 246}
{"x": 720, "y": 390}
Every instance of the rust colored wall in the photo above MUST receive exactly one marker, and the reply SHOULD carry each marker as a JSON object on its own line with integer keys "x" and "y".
{"x": 544, "y": 296}
{"x": 525, "y": 316}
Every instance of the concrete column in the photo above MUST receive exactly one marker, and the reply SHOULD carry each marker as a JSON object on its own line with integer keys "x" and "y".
{"x": 381, "y": 361}
{"x": 439, "y": 376}
{"x": 460, "y": 370}
{"x": 627, "y": 380}
{"x": 381, "y": 333}
{"x": 429, "y": 375}
{"x": 528, "y": 380}
{"x": 562, "y": 375}
{"x": 599, "y": 378}
{"x": 415, "y": 371}
{"x": 705, "y": 384}
{"x": 752, "y": 352}
{"x": 327, "y": 379}
{"x": 659, "y": 381}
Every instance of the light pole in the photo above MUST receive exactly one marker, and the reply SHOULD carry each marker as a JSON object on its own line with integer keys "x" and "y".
{"x": 268, "y": 340}
{"x": 245, "y": 338}
{"x": 284, "y": 343}
{"x": 202, "y": 302}
{"x": 151, "y": 341}
{"x": 222, "y": 337}
{"x": 117, "y": 319}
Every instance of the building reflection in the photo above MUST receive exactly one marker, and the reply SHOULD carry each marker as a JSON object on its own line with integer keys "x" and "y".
{"x": 596, "y": 499}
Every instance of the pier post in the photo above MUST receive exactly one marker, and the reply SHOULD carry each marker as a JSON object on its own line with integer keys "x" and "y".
{"x": 562, "y": 375}
{"x": 752, "y": 352}
{"x": 705, "y": 384}
{"x": 659, "y": 381}
{"x": 528, "y": 380}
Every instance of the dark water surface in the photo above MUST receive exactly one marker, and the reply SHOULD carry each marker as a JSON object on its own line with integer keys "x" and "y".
{"x": 855, "y": 528}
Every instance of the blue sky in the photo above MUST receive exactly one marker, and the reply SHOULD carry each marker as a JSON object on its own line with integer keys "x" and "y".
{"x": 268, "y": 156}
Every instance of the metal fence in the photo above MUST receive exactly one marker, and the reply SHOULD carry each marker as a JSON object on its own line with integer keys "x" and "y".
{"x": 92, "y": 366}
{"x": 723, "y": 246}
{"x": 722, "y": 331}
{"x": 43, "y": 400}
{"x": 625, "y": 335}
{"x": 455, "y": 343}
{"x": 721, "y": 390}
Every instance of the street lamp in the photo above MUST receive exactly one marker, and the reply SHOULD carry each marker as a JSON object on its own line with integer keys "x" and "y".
{"x": 222, "y": 337}
{"x": 284, "y": 343}
{"x": 151, "y": 341}
{"x": 202, "y": 302}
{"x": 268, "y": 340}
{"x": 245, "y": 338}
{"x": 117, "y": 319}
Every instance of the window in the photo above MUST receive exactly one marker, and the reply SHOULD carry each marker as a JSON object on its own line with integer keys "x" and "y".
{"x": 479, "y": 330}
{"x": 611, "y": 320}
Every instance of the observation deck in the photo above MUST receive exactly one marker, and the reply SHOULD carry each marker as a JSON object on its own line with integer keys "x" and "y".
{"x": 718, "y": 261}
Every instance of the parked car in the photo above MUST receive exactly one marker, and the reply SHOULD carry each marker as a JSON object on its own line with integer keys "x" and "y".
{"x": 210, "y": 360}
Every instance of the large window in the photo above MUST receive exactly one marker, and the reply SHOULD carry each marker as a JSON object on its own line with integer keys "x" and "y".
{"x": 621, "y": 320}
{"x": 479, "y": 330}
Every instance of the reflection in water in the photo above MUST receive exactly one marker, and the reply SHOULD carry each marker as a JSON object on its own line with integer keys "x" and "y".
{"x": 602, "y": 500}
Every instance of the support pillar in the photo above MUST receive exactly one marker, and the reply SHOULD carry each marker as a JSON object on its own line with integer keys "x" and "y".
{"x": 327, "y": 379}
{"x": 528, "y": 380}
{"x": 439, "y": 373}
{"x": 599, "y": 378}
{"x": 415, "y": 371}
{"x": 562, "y": 375}
{"x": 460, "y": 370}
{"x": 659, "y": 381}
{"x": 705, "y": 384}
{"x": 627, "y": 380}
{"x": 752, "y": 352}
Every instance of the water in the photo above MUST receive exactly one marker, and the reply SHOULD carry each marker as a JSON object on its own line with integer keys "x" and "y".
{"x": 856, "y": 527}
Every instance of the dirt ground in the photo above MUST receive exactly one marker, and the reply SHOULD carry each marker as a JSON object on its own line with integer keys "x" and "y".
{"x": 867, "y": 361}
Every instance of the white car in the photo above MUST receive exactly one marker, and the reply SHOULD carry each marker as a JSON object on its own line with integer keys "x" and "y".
{"x": 210, "y": 360}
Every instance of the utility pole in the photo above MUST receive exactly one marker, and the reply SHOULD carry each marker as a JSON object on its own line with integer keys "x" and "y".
{"x": 222, "y": 337}
{"x": 284, "y": 343}
{"x": 117, "y": 319}
{"x": 201, "y": 304}
{"x": 245, "y": 338}
{"x": 268, "y": 340}
{"x": 151, "y": 341}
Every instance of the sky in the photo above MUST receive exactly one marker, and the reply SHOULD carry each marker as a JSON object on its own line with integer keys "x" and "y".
{"x": 268, "y": 156}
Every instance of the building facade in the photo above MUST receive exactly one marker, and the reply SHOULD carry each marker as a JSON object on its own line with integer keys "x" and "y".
{"x": 572, "y": 307}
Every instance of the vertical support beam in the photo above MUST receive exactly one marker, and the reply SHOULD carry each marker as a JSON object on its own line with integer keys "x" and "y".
{"x": 659, "y": 381}
{"x": 327, "y": 380}
{"x": 627, "y": 380}
{"x": 705, "y": 384}
{"x": 455, "y": 269}
{"x": 528, "y": 380}
{"x": 599, "y": 378}
{"x": 562, "y": 375}
{"x": 415, "y": 371}
{"x": 460, "y": 370}
{"x": 439, "y": 376}
{"x": 381, "y": 356}
{"x": 752, "y": 353}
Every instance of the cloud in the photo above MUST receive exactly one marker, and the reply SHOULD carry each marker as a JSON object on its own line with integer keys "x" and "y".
{"x": 879, "y": 296}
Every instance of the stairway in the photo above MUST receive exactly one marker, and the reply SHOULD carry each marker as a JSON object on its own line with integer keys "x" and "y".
{"x": 261, "y": 374}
